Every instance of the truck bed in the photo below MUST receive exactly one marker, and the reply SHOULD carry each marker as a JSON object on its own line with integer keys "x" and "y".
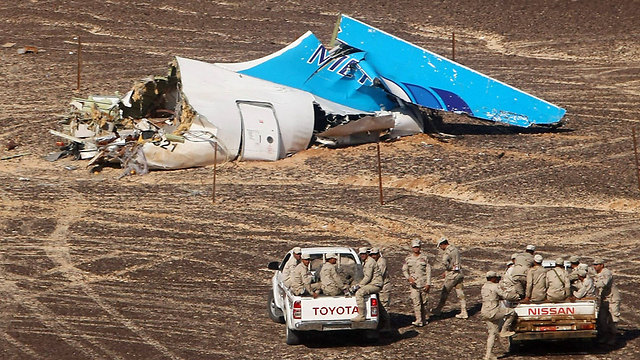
{"x": 554, "y": 321}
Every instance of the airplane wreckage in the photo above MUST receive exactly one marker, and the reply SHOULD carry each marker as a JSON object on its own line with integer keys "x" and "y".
{"x": 369, "y": 83}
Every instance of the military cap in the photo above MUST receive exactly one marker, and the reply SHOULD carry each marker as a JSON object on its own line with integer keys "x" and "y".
{"x": 297, "y": 250}
{"x": 416, "y": 243}
{"x": 363, "y": 250}
{"x": 582, "y": 272}
{"x": 574, "y": 259}
{"x": 559, "y": 261}
{"x": 305, "y": 257}
{"x": 598, "y": 261}
{"x": 531, "y": 248}
{"x": 538, "y": 258}
{"x": 441, "y": 240}
{"x": 491, "y": 274}
{"x": 331, "y": 256}
{"x": 514, "y": 255}
{"x": 374, "y": 250}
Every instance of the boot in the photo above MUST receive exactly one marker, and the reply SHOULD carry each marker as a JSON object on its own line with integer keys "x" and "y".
{"x": 463, "y": 311}
{"x": 360, "y": 317}
{"x": 507, "y": 333}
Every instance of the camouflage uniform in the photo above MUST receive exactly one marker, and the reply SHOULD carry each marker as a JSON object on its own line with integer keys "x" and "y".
{"x": 418, "y": 267}
{"x": 331, "y": 282}
{"x": 609, "y": 314}
{"x": 522, "y": 263}
{"x": 537, "y": 284}
{"x": 492, "y": 313}
{"x": 558, "y": 285}
{"x": 585, "y": 288}
{"x": 452, "y": 279}
{"x": 301, "y": 281}
{"x": 385, "y": 293}
{"x": 371, "y": 283}
{"x": 287, "y": 271}
{"x": 509, "y": 286}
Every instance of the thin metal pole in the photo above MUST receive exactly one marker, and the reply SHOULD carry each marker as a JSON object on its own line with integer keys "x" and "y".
{"x": 380, "y": 175}
{"x": 635, "y": 152}
{"x": 79, "y": 60}
{"x": 453, "y": 46}
{"x": 215, "y": 165}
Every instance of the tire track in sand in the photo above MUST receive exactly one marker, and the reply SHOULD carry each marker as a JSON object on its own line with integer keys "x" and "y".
{"x": 58, "y": 252}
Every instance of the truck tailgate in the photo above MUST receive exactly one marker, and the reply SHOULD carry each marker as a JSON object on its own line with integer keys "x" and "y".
{"x": 329, "y": 309}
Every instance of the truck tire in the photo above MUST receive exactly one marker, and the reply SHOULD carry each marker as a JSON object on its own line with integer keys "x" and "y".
{"x": 274, "y": 312}
{"x": 292, "y": 336}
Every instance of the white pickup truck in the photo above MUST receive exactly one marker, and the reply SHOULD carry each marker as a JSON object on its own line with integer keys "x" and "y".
{"x": 324, "y": 313}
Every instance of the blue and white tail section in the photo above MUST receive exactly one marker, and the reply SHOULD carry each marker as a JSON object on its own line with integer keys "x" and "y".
{"x": 369, "y": 65}
{"x": 424, "y": 78}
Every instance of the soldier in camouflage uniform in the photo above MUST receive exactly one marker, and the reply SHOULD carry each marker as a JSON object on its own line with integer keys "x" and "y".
{"x": 609, "y": 313}
{"x": 331, "y": 282}
{"x": 417, "y": 271}
{"x": 558, "y": 285}
{"x": 371, "y": 283}
{"x": 522, "y": 263}
{"x": 452, "y": 278}
{"x": 536, "y": 282}
{"x": 293, "y": 261}
{"x": 493, "y": 314}
{"x": 385, "y": 293}
{"x": 301, "y": 279}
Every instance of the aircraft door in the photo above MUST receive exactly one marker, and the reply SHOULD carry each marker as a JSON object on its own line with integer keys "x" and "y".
{"x": 260, "y": 132}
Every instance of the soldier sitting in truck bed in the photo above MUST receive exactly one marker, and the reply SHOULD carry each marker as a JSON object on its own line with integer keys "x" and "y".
{"x": 331, "y": 282}
{"x": 536, "y": 290}
{"x": 301, "y": 279}
{"x": 558, "y": 285}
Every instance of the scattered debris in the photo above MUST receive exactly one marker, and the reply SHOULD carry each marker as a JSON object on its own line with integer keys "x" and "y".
{"x": 270, "y": 108}
{"x": 28, "y": 50}
{"x": 8, "y": 44}
{"x": 24, "y": 179}
{"x": 15, "y": 156}
{"x": 71, "y": 167}
{"x": 11, "y": 144}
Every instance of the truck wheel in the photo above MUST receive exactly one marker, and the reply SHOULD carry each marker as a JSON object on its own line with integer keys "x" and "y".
{"x": 293, "y": 337}
{"x": 275, "y": 314}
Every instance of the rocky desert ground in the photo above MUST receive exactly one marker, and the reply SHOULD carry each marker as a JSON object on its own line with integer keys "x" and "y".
{"x": 147, "y": 267}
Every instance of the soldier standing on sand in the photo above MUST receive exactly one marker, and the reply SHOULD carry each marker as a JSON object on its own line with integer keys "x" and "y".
{"x": 331, "y": 283}
{"x": 492, "y": 313}
{"x": 385, "y": 293}
{"x": 558, "y": 286}
{"x": 417, "y": 271}
{"x": 371, "y": 283}
{"x": 536, "y": 282}
{"x": 609, "y": 313}
{"x": 301, "y": 279}
{"x": 452, "y": 278}
{"x": 293, "y": 261}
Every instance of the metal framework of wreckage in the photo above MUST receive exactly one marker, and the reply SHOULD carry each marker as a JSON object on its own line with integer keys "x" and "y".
{"x": 370, "y": 82}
